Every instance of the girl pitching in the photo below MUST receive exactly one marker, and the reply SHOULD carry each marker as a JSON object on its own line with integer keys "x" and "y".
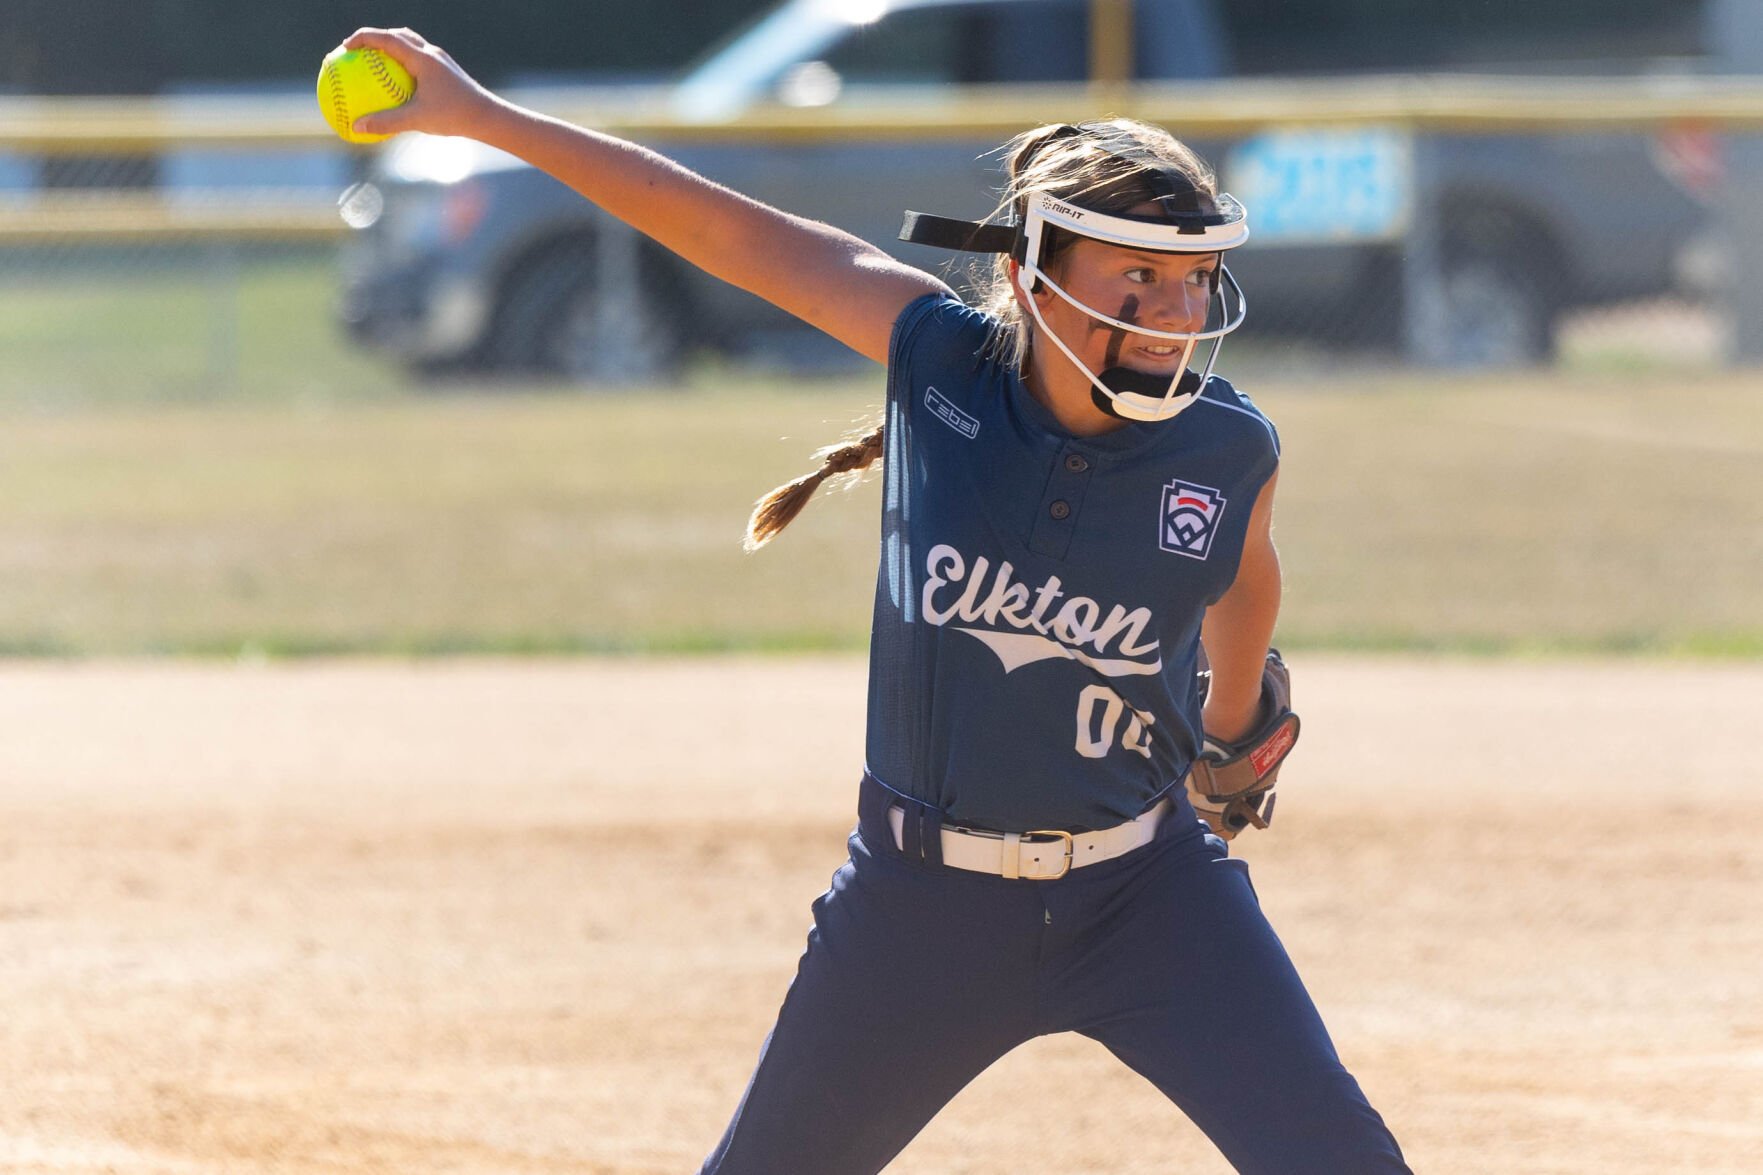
{"x": 1072, "y": 503}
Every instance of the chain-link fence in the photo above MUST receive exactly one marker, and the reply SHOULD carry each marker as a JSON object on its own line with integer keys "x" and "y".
{"x": 136, "y": 266}
{"x": 146, "y": 265}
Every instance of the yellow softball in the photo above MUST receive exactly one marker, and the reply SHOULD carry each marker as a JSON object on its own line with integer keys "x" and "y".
{"x": 354, "y": 82}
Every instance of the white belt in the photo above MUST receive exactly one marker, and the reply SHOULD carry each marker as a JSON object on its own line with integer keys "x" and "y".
{"x": 1041, "y": 855}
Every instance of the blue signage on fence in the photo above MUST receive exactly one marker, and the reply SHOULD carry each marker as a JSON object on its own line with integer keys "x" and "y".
{"x": 1323, "y": 186}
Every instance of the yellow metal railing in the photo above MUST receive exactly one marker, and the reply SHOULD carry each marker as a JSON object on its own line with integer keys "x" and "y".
{"x": 1466, "y": 103}
{"x": 148, "y": 217}
{"x": 1111, "y": 23}
{"x": 40, "y": 127}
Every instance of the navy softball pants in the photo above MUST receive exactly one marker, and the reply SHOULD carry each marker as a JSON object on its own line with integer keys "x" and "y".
{"x": 917, "y": 977}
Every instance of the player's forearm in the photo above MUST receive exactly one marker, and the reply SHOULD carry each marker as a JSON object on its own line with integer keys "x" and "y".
{"x": 1237, "y": 631}
{"x": 829, "y": 278}
{"x": 723, "y": 232}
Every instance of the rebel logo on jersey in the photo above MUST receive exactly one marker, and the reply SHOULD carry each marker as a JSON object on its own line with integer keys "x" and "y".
{"x": 945, "y": 410}
{"x": 1113, "y": 645}
{"x": 1189, "y": 518}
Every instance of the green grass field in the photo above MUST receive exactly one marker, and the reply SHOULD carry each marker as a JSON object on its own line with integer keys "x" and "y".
{"x": 1456, "y": 515}
{"x": 302, "y": 498}
{"x": 158, "y": 325}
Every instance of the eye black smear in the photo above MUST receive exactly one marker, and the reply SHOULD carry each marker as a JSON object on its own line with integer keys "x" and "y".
{"x": 1129, "y": 310}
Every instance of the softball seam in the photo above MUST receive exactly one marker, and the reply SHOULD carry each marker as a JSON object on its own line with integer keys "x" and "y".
{"x": 339, "y": 101}
{"x": 377, "y": 66}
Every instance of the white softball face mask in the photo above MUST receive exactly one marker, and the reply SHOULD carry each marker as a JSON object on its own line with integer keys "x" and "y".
{"x": 1122, "y": 391}
{"x": 1118, "y": 391}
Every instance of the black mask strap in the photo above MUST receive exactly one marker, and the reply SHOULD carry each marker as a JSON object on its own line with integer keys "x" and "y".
{"x": 965, "y": 236}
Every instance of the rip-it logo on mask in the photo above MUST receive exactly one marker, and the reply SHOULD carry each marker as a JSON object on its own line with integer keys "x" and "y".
{"x": 1189, "y": 518}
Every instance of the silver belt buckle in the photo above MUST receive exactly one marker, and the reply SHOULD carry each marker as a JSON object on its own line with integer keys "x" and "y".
{"x": 1053, "y": 836}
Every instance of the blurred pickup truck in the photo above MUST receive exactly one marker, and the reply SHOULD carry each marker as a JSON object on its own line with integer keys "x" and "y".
{"x": 479, "y": 261}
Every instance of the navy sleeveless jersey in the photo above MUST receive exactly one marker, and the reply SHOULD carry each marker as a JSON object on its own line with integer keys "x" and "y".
{"x": 1038, "y": 605}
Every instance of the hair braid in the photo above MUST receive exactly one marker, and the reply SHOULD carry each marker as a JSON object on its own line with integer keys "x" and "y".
{"x": 777, "y": 509}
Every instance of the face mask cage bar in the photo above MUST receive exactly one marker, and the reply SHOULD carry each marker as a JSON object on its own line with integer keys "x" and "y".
{"x": 1121, "y": 392}
{"x": 1184, "y": 228}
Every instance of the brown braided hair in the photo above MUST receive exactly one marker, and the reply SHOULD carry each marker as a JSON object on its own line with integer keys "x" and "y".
{"x": 777, "y": 509}
{"x": 1098, "y": 163}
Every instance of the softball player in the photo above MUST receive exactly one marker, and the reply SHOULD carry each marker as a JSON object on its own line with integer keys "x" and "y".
{"x": 1071, "y": 503}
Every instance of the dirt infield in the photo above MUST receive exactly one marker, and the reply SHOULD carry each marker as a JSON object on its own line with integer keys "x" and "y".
{"x": 537, "y": 917}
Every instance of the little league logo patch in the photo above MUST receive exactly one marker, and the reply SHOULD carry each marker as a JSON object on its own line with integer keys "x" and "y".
{"x": 1190, "y": 516}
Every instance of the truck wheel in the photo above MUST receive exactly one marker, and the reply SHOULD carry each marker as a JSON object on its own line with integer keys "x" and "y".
{"x": 1493, "y": 312}
{"x": 553, "y": 321}
{"x": 1494, "y": 297}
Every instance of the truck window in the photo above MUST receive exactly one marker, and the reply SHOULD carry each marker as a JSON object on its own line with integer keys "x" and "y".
{"x": 1279, "y": 37}
{"x": 1028, "y": 41}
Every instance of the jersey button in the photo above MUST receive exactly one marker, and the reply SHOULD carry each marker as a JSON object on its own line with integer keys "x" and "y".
{"x": 1060, "y": 510}
{"x": 1076, "y": 463}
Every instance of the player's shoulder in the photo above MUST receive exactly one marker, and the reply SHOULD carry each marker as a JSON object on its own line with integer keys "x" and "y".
{"x": 1232, "y": 411}
{"x": 938, "y": 332}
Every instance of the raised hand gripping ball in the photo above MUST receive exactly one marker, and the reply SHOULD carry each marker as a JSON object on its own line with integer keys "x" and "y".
{"x": 354, "y": 82}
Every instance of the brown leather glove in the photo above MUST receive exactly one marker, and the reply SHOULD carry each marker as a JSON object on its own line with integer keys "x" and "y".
{"x": 1231, "y": 784}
